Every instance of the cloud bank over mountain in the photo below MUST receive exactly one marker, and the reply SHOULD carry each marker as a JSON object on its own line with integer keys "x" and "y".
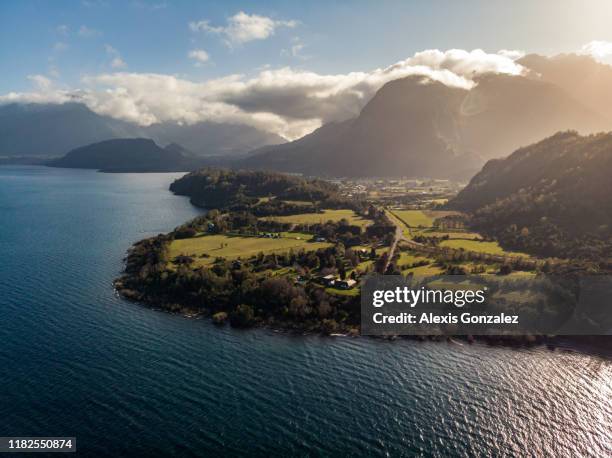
{"x": 288, "y": 102}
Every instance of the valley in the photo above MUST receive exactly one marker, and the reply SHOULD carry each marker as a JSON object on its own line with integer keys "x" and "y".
{"x": 263, "y": 259}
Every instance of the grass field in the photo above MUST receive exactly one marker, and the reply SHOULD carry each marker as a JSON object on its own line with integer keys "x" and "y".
{"x": 233, "y": 247}
{"x": 327, "y": 215}
{"x": 414, "y": 218}
{"x": 343, "y": 292}
{"x": 421, "y": 218}
{"x": 452, "y": 235}
{"x": 406, "y": 259}
{"x": 424, "y": 271}
{"x": 480, "y": 247}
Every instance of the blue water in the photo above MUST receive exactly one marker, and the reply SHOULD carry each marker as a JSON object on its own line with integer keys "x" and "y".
{"x": 75, "y": 360}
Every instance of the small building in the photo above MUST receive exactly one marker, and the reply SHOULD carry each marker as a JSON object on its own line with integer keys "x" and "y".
{"x": 345, "y": 284}
{"x": 327, "y": 280}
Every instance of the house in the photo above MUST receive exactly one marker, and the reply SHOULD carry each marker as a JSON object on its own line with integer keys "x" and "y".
{"x": 345, "y": 284}
{"x": 327, "y": 280}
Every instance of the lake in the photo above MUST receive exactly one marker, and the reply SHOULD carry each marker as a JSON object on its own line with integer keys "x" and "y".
{"x": 76, "y": 360}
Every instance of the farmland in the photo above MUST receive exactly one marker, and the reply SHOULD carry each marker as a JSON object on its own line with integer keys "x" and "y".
{"x": 478, "y": 246}
{"x": 234, "y": 247}
{"x": 327, "y": 215}
{"x": 415, "y": 218}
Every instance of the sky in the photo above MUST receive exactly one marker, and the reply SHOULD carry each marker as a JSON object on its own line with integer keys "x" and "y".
{"x": 283, "y": 66}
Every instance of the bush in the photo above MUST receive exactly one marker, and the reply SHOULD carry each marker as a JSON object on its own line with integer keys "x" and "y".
{"x": 219, "y": 318}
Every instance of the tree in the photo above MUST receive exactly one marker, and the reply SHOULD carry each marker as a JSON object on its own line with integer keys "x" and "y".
{"x": 505, "y": 269}
{"x": 243, "y": 316}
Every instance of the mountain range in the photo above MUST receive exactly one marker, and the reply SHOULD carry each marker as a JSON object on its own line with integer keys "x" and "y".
{"x": 419, "y": 127}
{"x": 55, "y": 129}
{"x": 411, "y": 127}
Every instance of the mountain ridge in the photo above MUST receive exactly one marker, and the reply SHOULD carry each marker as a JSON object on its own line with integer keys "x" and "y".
{"x": 416, "y": 126}
{"x": 550, "y": 198}
{"x": 128, "y": 155}
{"x": 30, "y": 129}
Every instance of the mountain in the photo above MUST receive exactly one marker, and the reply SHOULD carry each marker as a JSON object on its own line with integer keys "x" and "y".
{"x": 54, "y": 129}
{"x": 408, "y": 128}
{"x": 550, "y": 198}
{"x": 213, "y": 139}
{"x": 128, "y": 155}
{"x": 419, "y": 127}
{"x": 504, "y": 112}
{"x": 581, "y": 76}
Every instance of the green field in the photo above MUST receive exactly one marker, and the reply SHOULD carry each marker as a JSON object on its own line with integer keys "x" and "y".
{"x": 233, "y": 247}
{"x": 421, "y": 218}
{"x": 451, "y": 235}
{"x": 406, "y": 259}
{"x": 327, "y": 215}
{"x": 343, "y": 292}
{"x": 424, "y": 271}
{"x": 414, "y": 218}
{"x": 480, "y": 247}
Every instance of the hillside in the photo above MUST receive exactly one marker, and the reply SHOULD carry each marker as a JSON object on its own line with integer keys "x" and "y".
{"x": 418, "y": 127}
{"x": 408, "y": 128}
{"x": 54, "y": 129}
{"x": 550, "y": 198}
{"x": 127, "y": 155}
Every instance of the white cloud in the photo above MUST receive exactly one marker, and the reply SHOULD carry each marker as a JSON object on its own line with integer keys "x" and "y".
{"x": 62, "y": 30}
{"x": 242, "y": 27}
{"x": 599, "y": 50}
{"x": 60, "y": 46}
{"x": 295, "y": 50}
{"x": 41, "y": 82}
{"x": 116, "y": 59}
{"x": 285, "y": 101}
{"x": 513, "y": 54}
{"x": 199, "y": 55}
{"x": 87, "y": 32}
{"x": 149, "y": 6}
{"x": 54, "y": 71}
{"x": 118, "y": 62}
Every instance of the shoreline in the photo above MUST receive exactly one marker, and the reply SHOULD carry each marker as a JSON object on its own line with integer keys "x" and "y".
{"x": 553, "y": 343}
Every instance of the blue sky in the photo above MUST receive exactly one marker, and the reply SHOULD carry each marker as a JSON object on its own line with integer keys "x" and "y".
{"x": 153, "y": 35}
{"x": 56, "y": 45}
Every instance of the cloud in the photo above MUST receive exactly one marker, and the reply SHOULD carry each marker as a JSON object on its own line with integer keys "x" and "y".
{"x": 60, "y": 46}
{"x": 242, "y": 28}
{"x": 54, "y": 71}
{"x": 116, "y": 59}
{"x": 295, "y": 50}
{"x": 41, "y": 82}
{"x": 149, "y": 6}
{"x": 62, "y": 30}
{"x": 286, "y": 101}
{"x": 87, "y": 32}
{"x": 118, "y": 62}
{"x": 94, "y": 3}
{"x": 511, "y": 53}
{"x": 199, "y": 55}
{"x": 599, "y": 50}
